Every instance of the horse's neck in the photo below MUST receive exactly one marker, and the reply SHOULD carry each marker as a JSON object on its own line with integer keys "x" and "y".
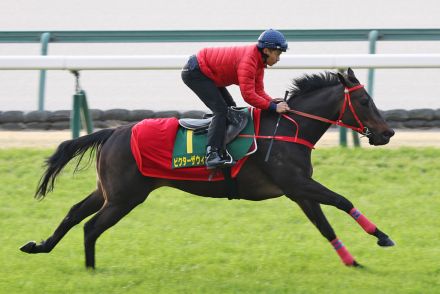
{"x": 325, "y": 103}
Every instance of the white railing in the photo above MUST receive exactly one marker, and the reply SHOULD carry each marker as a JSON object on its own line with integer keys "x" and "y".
{"x": 172, "y": 62}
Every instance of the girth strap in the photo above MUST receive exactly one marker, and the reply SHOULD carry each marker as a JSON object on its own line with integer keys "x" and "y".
{"x": 231, "y": 184}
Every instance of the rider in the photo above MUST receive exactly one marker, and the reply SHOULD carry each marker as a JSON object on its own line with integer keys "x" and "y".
{"x": 212, "y": 69}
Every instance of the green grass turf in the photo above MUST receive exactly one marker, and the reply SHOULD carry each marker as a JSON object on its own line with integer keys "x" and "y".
{"x": 179, "y": 243}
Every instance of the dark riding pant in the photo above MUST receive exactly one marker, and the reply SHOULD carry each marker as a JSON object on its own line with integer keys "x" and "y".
{"x": 217, "y": 99}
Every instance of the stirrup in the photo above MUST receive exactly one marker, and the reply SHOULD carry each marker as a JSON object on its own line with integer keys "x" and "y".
{"x": 221, "y": 161}
{"x": 231, "y": 160}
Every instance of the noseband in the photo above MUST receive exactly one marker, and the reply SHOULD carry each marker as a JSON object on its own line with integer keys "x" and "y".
{"x": 347, "y": 104}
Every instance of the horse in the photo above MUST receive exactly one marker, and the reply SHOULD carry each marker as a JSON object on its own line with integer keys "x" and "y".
{"x": 316, "y": 101}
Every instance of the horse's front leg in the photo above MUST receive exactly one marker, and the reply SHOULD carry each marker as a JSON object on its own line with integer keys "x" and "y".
{"x": 307, "y": 188}
{"x": 315, "y": 214}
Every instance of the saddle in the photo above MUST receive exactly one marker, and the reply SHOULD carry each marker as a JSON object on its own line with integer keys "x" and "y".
{"x": 237, "y": 120}
{"x": 153, "y": 145}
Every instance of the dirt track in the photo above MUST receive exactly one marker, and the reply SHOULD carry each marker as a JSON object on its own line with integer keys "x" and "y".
{"x": 50, "y": 139}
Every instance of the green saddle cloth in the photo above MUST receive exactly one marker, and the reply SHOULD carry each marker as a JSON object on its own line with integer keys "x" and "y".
{"x": 190, "y": 149}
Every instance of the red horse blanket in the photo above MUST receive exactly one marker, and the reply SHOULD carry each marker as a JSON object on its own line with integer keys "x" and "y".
{"x": 152, "y": 143}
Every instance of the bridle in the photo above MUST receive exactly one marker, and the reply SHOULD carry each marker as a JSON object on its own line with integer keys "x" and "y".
{"x": 347, "y": 104}
{"x": 363, "y": 130}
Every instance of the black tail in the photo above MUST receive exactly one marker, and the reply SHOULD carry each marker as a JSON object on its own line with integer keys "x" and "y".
{"x": 67, "y": 151}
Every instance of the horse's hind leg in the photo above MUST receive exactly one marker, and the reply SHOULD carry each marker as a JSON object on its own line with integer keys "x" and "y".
{"x": 108, "y": 216}
{"x": 77, "y": 213}
{"x": 315, "y": 214}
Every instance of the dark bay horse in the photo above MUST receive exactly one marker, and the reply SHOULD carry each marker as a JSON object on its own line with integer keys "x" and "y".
{"x": 317, "y": 101}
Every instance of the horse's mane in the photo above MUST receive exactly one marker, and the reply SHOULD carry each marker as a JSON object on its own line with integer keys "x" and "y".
{"x": 308, "y": 83}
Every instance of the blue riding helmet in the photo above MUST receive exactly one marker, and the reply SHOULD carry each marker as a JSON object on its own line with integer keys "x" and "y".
{"x": 272, "y": 39}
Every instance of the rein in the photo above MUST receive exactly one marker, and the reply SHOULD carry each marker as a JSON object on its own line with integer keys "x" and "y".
{"x": 347, "y": 102}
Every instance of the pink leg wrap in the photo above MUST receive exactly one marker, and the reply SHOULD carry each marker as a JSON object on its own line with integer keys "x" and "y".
{"x": 343, "y": 253}
{"x": 364, "y": 222}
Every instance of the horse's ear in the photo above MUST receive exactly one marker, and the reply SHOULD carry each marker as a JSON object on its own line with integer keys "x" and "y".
{"x": 351, "y": 76}
{"x": 342, "y": 79}
{"x": 350, "y": 72}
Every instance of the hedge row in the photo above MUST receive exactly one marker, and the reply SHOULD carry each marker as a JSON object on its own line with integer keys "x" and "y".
{"x": 60, "y": 120}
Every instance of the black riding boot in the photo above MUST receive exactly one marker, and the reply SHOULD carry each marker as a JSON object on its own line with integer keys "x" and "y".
{"x": 215, "y": 158}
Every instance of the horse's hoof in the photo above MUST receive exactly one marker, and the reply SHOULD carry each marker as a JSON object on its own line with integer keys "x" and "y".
{"x": 29, "y": 247}
{"x": 385, "y": 242}
{"x": 356, "y": 264}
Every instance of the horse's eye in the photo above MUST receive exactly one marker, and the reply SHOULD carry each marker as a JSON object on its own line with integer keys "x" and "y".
{"x": 364, "y": 101}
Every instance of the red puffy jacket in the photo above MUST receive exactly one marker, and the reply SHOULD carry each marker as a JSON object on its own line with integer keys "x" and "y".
{"x": 242, "y": 66}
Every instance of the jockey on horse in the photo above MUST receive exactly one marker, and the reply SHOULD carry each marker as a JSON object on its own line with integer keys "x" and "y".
{"x": 213, "y": 69}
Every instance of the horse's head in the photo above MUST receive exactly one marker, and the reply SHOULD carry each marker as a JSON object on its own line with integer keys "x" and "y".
{"x": 363, "y": 112}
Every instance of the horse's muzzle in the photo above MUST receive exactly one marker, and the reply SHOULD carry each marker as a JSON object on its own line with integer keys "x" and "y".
{"x": 383, "y": 138}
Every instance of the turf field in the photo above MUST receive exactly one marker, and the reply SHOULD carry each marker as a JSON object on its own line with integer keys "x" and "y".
{"x": 179, "y": 243}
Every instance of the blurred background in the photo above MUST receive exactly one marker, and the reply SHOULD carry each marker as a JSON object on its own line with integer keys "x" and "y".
{"x": 164, "y": 90}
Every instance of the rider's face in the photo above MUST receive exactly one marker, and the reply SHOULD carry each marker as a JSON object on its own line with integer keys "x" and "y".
{"x": 273, "y": 56}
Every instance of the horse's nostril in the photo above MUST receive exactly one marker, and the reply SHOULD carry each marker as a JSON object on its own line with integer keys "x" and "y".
{"x": 388, "y": 133}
